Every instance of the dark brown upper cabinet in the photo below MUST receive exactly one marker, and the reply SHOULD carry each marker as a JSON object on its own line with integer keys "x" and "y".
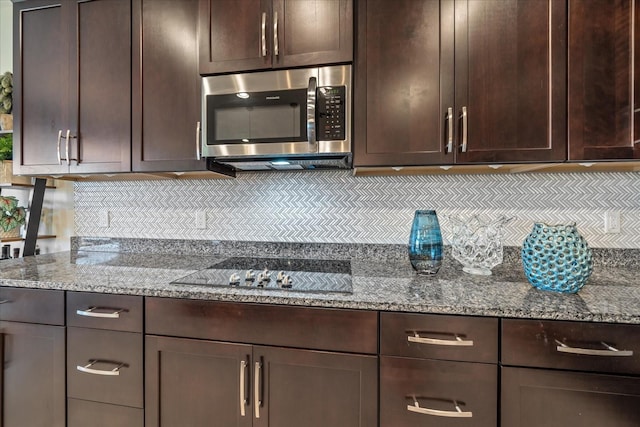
{"x": 166, "y": 86}
{"x": 603, "y": 69}
{"x": 465, "y": 81}
{"x": 261, "y": 34}
{"x": 73, "y": 88}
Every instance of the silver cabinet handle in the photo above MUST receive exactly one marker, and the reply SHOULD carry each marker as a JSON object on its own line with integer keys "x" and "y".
{"x": 58, "y": 150}
{"x": 5, "y": 301}
{"x": 276, "y": 47}
{"x": 449, "y": 147}
{"x": 111, "y": 372}
{"x": 458, "y": 413}
{"x": 198, "y": 155}
{"x": 114, "y": 313}
{"x": 607, "y": 351}
{"x": 257, "y": 395}
{"x": 263, "y": 34}
{"x": 66, "y": 145}
{"x": 243, "y": 393}
{"x": 464, "y": 129}
{"x": 311, "y": 112}
{"x": 435, "y": 341}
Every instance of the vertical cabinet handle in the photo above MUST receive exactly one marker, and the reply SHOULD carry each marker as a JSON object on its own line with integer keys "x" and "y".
{"x": 263, "y": 34}
{"x": 276, "y": 47}
{"x": 464, "y": 129}
{"x": 58, "y": 150}
{"x": 66, "y": 145}
{"x": 244, "y": 400}
{"x": 198, "y": 153}
{"x": 257, "y": 387}
{"x": 449, "y": 147}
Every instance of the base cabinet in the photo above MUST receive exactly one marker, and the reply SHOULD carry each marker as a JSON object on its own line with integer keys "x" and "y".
{"x": 244, "y": 385}
{"x": 32, "y": 387}
{"x": 82, "y": 413}
{"x": 534, "y": 398}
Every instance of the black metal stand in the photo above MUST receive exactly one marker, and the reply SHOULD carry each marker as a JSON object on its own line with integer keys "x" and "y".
{"x": 34, "y": 217}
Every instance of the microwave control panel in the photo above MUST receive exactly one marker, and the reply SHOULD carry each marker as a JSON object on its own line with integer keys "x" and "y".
{"x": 331, "y": 113}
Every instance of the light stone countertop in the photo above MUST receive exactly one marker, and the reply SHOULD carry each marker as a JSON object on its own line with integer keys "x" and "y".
{"x": 611, "y": 295}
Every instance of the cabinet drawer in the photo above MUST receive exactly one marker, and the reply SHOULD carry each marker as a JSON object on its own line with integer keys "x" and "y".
{"x": 437, "y": 386}
{"x": 104, "y": 311}
{"x": 103, "y": 381}
{"x": 579, "y": 346}
{"x": 32, "y": 305}
{"x": 433, "y": 336}
{"x": 353, "y": 331}
{"x": 82, "y": 413}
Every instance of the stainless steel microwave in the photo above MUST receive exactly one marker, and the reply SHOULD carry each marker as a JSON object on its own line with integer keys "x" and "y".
{"x": 275, "y": 120}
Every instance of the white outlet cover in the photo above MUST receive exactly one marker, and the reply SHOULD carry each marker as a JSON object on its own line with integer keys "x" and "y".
{"x": 201, "y": 220}
{"x": 104, "y": 219}
{"x": 612, "y": 222}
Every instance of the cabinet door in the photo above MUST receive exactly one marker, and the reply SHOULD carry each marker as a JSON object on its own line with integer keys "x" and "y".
{"x": 535, "y": 397}
{"x": 312, "y": 32}
{"x": 235, "y": 35}
{"x": 404, "y": 83}
{"x": 41, "y": 95}
{"x": 314, "y": 389}
{"x": 437, "y": 393}
{"x": 32, "y": 386}
{"x": 101, "y": 86}
{"x": 603, "y": 106}
{"x": 166, "y": 86}
{"x": 511, "y": 80}
{"x": 196, "y": 383}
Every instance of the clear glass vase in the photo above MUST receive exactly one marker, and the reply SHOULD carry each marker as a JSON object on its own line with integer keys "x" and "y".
{"x": 425, "y": 243}
{"x": 477, "y": 243}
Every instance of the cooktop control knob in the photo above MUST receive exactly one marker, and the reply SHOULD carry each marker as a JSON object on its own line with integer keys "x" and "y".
{"x": 265, "y": 276}
{"x": 287, "y": 282}
{"x": 280, "y": 276}
{"x": 249, "y": 276}
{"x": 234, "y": 280}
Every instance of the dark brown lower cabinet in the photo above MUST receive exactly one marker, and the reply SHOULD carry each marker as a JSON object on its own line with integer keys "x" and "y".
{"x": 202, "y": 383}
{"x": 32, "y": 385}
{"x": 82, "y": 413}
{"x": 438, "y": 393}
{"x": 540, "y": 397}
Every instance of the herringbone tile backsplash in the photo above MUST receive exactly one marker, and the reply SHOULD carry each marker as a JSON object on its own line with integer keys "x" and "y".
{"x": 335, "y": 207}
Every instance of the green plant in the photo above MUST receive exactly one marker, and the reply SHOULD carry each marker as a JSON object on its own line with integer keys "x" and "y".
{"x": 11, "y": 215}
{"x": 6, "y": 93}
{"x": 6, "y": 147}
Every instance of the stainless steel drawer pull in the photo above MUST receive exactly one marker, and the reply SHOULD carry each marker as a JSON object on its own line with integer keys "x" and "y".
{"x": 112, "y": 313}
{"x": 458, "y": 413}
{"x": 607, "y": 351}
{"x": 435, "y": 341}
{"x": 4, "y": 301}
{"x": 110, "y": 372}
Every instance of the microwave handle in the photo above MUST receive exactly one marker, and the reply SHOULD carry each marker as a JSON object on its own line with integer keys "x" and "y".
{"x": 311, "y": 111}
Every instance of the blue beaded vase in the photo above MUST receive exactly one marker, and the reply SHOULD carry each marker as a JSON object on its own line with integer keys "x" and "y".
{"x": 425, "y": 243}
{"x": 556, "y": 258}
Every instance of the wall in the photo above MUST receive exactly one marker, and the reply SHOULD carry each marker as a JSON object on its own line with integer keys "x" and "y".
{"x": 6, "y": 52}
{"x": 337, "y": 207}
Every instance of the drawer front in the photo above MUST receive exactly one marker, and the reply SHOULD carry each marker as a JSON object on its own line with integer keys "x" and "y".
{"x": 32, "y": 305}
{"x": 432, "y": 336}
{"x": 82, "y": 413}
{"x": 105, "y": 366}
{"x": 303, "y": 327}
{"x": 581, "y": 346}
{"x": 104, "y": 311}
{"x": 437, "y": 386}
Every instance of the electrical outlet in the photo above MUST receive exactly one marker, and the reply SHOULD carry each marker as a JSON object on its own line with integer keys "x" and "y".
{"x": 201, "y": 220}
{"x": 612, "y": 222}
{"x": 104, "y": 219}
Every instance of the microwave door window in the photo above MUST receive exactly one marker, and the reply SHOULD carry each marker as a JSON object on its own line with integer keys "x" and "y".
{"x": 255, "y": 124}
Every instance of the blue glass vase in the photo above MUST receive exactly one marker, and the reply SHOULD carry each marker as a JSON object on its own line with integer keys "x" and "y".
{"x": 425, "y": 243}
{"x": 556, "y": 258}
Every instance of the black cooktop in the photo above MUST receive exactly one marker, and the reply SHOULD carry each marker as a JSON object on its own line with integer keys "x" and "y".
{"x": 288, "y": 274}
